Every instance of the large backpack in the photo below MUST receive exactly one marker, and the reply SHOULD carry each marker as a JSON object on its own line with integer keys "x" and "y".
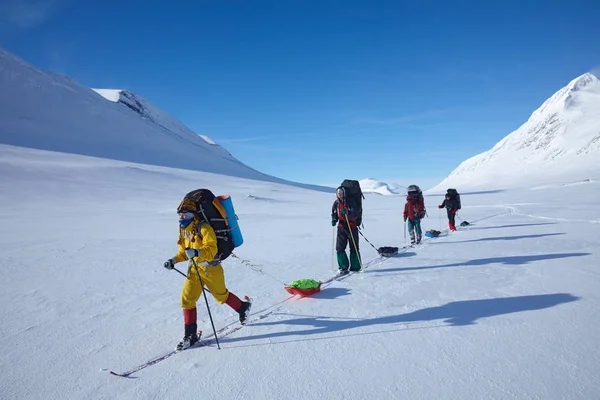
{"x": 417, "y": 193}
{"x": 355, "y": 194}
{"x": 208, "y": 208}
{"x": 453, "y": 193}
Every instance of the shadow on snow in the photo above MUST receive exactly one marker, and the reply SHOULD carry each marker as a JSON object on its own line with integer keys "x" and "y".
{"x": 456, "y": 313}
{"x": 491, "y": 239}
{"x": 512, "y": 226}
{"x": 509, "y": 260}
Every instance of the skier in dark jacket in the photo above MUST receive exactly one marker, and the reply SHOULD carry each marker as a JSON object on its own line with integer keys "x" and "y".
{"x": 346, "y": 215}
{"x": 452, "y": 205}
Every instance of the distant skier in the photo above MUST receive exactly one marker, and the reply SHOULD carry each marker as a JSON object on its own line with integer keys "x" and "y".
{"x": 347, "y": 214}
{"x": 414, "y": 211}
{"x": 452, "y": 204}
{"x": 198, "y": 241}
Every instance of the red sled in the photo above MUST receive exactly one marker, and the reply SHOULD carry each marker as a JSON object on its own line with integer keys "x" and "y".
{"x": 303, "y": 292}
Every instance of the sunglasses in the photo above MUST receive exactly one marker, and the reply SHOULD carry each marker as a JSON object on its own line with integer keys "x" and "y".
{"x": 186, "y": 215}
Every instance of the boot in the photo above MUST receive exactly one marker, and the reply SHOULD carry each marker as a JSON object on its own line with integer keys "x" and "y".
{"x": 452, "y": 227}
{"x": 412, "y": 237}
{"x": 244, "y": 310}
{"x": 418, "y": 237}
{"x": 189, "y": 339}
{"x": 190, "y": 336}
{"x": 355, "y": 264}
{"x": 343, "y": 262}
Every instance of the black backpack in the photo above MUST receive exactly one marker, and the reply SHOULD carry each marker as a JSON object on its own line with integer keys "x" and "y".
{"x": 209, "y": 209}
{"x": 454, "y": 195}
{"x": 355, "y": 194}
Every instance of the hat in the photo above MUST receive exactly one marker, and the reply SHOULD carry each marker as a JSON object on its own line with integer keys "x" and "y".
{"x": 187, "y": 205}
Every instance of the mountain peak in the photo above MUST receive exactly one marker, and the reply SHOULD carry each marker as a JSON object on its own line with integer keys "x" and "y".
{"x": 560, "y": 138}
{"x": 582, "y": 81}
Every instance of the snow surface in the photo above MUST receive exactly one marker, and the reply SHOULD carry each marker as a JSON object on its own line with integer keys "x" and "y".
{"x": 113, "y": 95}
{"x": 559, "y": 142}
{"x": 371, "y": 185}
{"x": 506, "y": 309}
{"x": 47, "y": 111}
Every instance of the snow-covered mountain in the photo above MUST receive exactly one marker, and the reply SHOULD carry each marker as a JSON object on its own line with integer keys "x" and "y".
{"x": 371, "y": 185}
{"x": 43, "y": 110}
{"x": 560, "y": 141}
{"x": 149, "y": 112}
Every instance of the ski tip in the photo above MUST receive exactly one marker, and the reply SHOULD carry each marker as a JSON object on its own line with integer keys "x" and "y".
{"x": 120, "y": 375}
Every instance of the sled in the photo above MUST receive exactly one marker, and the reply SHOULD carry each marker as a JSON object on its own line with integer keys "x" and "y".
{"x": 303, "y": 287}
{"x": 387, "y": 251}
{"x": 432, "y": 233}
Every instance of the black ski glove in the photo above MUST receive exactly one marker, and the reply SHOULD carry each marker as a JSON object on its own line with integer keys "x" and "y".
{"x": 169, "y": 264}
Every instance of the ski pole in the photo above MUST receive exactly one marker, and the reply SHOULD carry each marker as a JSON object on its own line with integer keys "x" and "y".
{"x": 186, "y": 278}
{"x": 405, "y": 241}
{"x": 332, "y": 248}
{"x": 207, "y": 307}
{"x": 440, "y": 217}
{"x": 354, "y": 243}
{"x": 180, "y": 272}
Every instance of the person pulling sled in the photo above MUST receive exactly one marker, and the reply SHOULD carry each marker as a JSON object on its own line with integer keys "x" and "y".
{"x": 346, "y": 212}
{"x": 198, "y": 243}
{"x": 452, "y": 204}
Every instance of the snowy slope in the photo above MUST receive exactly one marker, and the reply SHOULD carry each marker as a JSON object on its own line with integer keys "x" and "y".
{"x": 507, "y": 309}
{"x": 46, "y": 111}
{"x": 560, "y": 141}
{"x": 148, "y": 111}
{"x": 371, "y": 185}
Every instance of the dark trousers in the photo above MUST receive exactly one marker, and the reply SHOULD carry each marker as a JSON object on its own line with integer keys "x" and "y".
{"x": 343, "y": 238}
{"x": 451, "y": 217}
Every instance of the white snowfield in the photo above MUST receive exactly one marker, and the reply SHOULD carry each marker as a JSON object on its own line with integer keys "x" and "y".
{"x": 559, "y": 142}
{"x": 504, "y": 309}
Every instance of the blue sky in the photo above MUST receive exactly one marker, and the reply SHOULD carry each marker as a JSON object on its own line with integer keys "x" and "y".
{"x": 320, "y": 91}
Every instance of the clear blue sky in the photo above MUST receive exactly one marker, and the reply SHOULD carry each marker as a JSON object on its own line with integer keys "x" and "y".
{"x": 319, "y": 91}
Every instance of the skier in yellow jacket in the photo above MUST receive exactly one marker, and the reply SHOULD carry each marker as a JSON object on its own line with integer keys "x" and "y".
{"x": 197, "y": 241}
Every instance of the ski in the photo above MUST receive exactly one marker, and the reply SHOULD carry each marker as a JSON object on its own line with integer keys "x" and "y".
{"x": 200, "y": 343}
{"x": 224, "y": 332}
